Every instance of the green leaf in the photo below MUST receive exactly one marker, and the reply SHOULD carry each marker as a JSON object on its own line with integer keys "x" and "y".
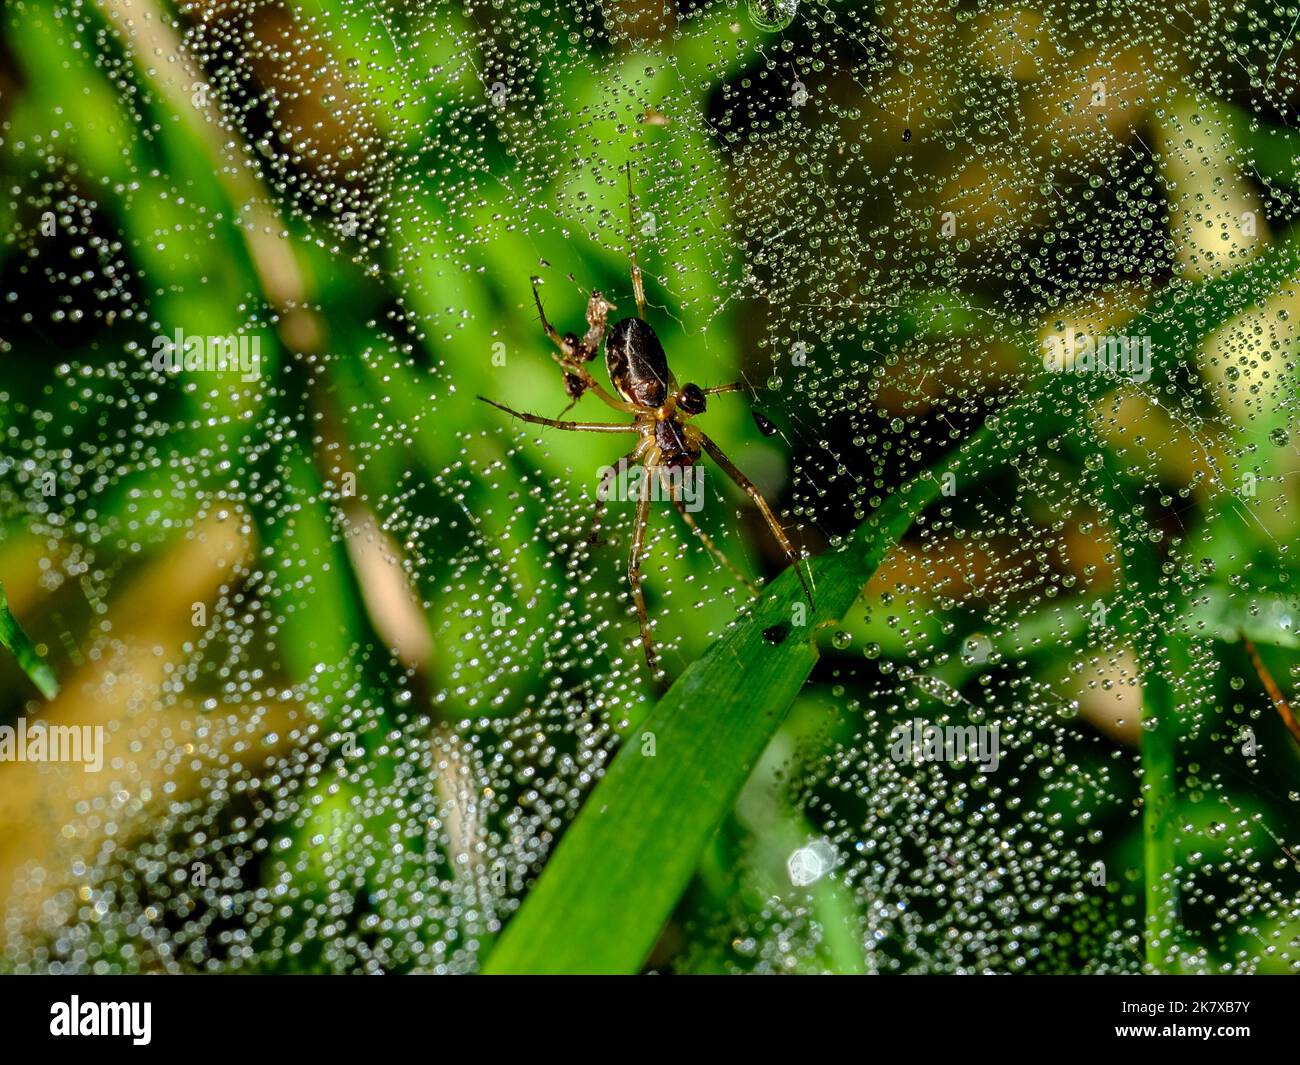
{"x": 22, "y": 648}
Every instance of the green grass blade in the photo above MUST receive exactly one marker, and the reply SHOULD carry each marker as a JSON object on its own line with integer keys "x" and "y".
{"x": 20, "y": 645}
{"x": 618, "y": 872}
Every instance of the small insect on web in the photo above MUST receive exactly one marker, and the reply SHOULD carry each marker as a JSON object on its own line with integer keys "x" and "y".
{"x": 666, "y": 445}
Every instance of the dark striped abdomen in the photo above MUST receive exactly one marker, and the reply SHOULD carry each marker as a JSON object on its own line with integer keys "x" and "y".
{"x": 637, "y": 365}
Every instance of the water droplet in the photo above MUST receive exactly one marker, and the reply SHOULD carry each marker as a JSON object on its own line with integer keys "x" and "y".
{"x": 773, "y": 15}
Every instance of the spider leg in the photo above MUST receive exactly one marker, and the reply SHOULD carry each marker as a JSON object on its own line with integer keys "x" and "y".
{"x": 577, "y": 427}
{"x": 602, "y": 492}
{"x": 594, "y": 387}
{"x": 634, "y": 578}
{"x": 570, "y": 363}
{"x": 735, "y": 386}
{"x": 638, "y": 285}
{"x": 705, "y": 538}
{"x": 550, "y": 329}
{"x": 729, "y": 468}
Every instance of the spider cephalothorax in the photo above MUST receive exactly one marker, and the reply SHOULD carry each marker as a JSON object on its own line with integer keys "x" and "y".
{"x": 666, "y": 445}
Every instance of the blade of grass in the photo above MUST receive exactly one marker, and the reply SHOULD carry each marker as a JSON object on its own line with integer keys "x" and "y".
{"x": 621, "y": 867}
{"x": 613, "y": 880}
{"x": 1159, "y": 805}
{"x": 1139, "y": 620}
{"x": 15, "y": 640}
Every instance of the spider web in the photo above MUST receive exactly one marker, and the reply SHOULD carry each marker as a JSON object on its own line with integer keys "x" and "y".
{"x": 356, "y": 661}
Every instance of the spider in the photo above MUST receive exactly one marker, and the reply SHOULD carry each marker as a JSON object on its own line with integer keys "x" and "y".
{"x": 666, "y": 445}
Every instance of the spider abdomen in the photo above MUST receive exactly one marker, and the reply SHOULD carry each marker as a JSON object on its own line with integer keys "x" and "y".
{"x": 637, "y": 364}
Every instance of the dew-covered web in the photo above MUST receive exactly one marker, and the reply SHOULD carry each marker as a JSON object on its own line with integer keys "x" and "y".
{"x": 359, "y": 656}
